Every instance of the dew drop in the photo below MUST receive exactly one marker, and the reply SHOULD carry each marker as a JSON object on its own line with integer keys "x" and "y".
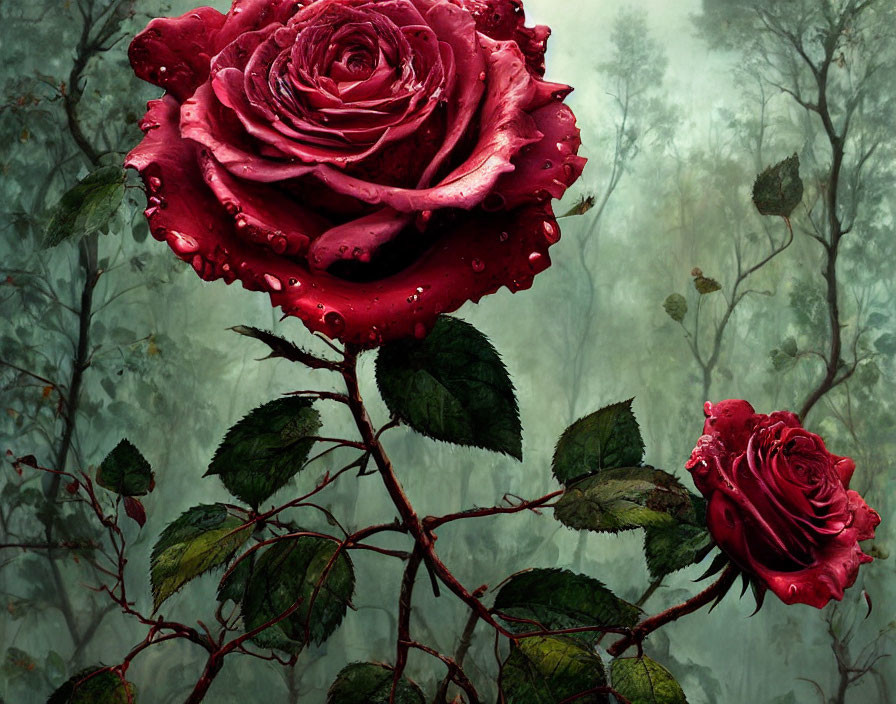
{"x": 294, "y": 282}
{"x": 504, "y": 236}
{"x": 241, "y": 223}
{"x": 334, "y": 321}
{"x": 273, "y": 282}
{"x": 155, "y": 183}
{"x": 481, "y": 76}
{"x": 478, "y": 265}
{"x": 551, "y": 234}
{"x": 548, "y": 164}
{"x": 535, "y": 261}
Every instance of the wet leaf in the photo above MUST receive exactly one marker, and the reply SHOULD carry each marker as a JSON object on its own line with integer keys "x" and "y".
{"x": 370, "y": 683}
{"x": 779, "y": 189}
{"x": 452, "y": 386}
{"x": 645, "y": 681}
{"x": 125, "y": 471}
{"x": 266, "y": 448}
{"x": 288, "y": 572}
{"x": 547, "y": 670}
{"x": 559, "y": 599}
{"x": 605, "y": 439}
{"x": 202, "y": 538}
{"x": 623, "y": 499}
{"x": 88, "y": 207}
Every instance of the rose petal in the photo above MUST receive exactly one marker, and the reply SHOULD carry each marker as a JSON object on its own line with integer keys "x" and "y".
{"x": 358, "y": 239}
{"x": 174, "y": 53}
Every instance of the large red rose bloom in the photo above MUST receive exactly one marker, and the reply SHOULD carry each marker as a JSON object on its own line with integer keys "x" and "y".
{"x": 779, "y": 504}
{"x": 369, "y": 163}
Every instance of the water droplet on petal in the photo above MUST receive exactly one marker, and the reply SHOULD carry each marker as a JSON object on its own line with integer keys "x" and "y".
{"x": 155, "y": 183}
{"x": 551, "y": 233}
{"x": 273, "y": 282}
{"x": 547, "y": 164}
{"x": 478, "y": 265}
{"x": 535, "y": 261}
{"x": 294, "y": 282}
{"x": 504, "y": 236}
{"x": 334, "y": 321}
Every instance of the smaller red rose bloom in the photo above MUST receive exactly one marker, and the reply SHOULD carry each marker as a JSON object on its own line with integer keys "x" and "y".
{"x": 779, "y": 504}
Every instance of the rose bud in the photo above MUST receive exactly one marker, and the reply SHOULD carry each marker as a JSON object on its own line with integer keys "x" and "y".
{"x": 779, "y": 504}
{"x": 369, "y": 163}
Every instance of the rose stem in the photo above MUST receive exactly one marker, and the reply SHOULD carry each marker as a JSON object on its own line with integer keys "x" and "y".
{"x": 673, "y": 613}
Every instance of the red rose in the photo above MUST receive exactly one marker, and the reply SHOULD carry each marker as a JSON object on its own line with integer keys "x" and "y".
{"x": 369, "y": 163}
{"x": 779, "y": 504}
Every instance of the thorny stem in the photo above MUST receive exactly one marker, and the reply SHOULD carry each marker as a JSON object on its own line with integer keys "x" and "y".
{"x": 648, "y": 626}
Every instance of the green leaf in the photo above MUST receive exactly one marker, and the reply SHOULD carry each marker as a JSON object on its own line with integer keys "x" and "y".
{"x": 623, "y": 499}
{"x": 582, "y": 206}
{"x": 201, "y": 539}
{"x": 672, "y": 548}
{"x": 547, "y": 670}
{"x": 369, "y": 683}
{"x": 558, "y": 599}
{"x": 779, "y": 189}
{"x": 266, "y": 449}
{"x": 279, "y": 346}
{"x": 645, "y": 681}
{"x": 452, "y": 386}
{"x": 676, "y": 306}
{"x": 55, "y": 668}
{"x": 125, "y": 471}
{"x": 605, "y": 439}
{"x": 705, "y": 285}
{"x": 289, "y": 571}
{"x": 886, "y": 343}
{"x": 233, "y": 587}
{"x": 87, "y": 688}
{"x": 88, "y": 207}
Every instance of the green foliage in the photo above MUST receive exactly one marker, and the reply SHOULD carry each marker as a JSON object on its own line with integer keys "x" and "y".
{"x": 785, "y": 356}
{"x": 201, "y": 539}
{"x": 623, "y": 499}
{"x": 676, "y": 307}
{"x": 370, "y": 683}
{"x": 558, "y": 599}
{"x": 779, "y": 189}
{"x": 547, "y": 670}
{"x": 291, "y": 571}
{"x": 88, "y": 207}
{"x": 645, "y": 681}
{"x": 672, "y": 548}
{"x": 125, "y": 471}
{"x": 279, "y": 346}
{"x": 233, "y": 586}
{"x": 452, "y": 386}
{"x": 705, "y": 285}
{"x": 266, "y": 449}
{"x": 605, "y": 439}
{"x": 104, "y": 687}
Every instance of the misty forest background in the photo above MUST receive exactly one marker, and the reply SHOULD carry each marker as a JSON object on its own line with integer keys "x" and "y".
{"x": 681, "y": 105}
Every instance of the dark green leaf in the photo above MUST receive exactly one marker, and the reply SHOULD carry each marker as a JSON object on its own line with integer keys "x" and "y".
{"x": 279, "y": 346}
{"x": 452, "y": 386}
{"x": 201, "y": 539}
{"x": 779, "y": 189}
{"x": 676, "y": 307}
{"x": 233, "y": 587}
{"x": 605, "y": 439}
{"x": 88, "y": 688}
{"x": 705, "y": 285}
{"x": 625, "y": 498}
{"x": 547, "y": 670}
{"x": 87, "y": 207}
{"x": 558, "y": 599}
{"x": 672, "y": 548}
{"x": 719, "y": 562}
{"x": 369, "y": 683}
{"x": 125, "y": 471}
{"x": 264, "y": 450}
{"x": 290, "y": 571}
{"x": 645, "y": 681}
